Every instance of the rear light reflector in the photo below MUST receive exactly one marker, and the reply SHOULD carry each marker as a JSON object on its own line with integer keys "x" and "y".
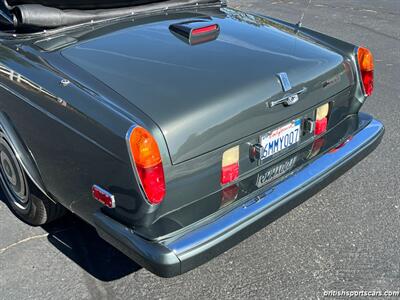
{"x": 316, "y": 147}
{"x": 229, "y": 194}
{"x": 366, "y": 65}
{"x": 230, "y": 165}
{"x": 148, "y": 163}
{"x": 321, "y": 116}
{"x": 341, "y": 145}
{"x": 103, "y": 196}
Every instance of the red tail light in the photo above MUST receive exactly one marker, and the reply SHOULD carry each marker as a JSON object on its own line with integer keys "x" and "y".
{"x": 366, "y": 65}
{"x": 321, "y": 126}
{"x": 229, "y": 173}
{"x": 321, "y": 119}
{"x": 148, "y": 162}
{"x": 230, "y": 165}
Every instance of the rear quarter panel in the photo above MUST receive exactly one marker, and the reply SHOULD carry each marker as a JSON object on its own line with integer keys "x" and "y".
{"x": 74, "y": 140}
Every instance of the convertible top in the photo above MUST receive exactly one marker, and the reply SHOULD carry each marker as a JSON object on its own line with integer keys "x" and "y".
{"x": 46, "y": 14}
{"x": 83, "y": 4}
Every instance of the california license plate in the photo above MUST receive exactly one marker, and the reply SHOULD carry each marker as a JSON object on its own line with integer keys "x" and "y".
{"x": 280, "y": 139}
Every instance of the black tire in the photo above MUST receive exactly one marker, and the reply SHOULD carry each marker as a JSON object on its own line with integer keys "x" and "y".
{"x": 24, "y": 199}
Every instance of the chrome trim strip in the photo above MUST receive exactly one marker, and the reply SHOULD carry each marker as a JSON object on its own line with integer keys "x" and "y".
{"x": 260, "y": 206}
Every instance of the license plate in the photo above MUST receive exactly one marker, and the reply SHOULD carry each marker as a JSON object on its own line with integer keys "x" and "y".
{"x": 280, "y": 139}
{"x": 275, "y": 172}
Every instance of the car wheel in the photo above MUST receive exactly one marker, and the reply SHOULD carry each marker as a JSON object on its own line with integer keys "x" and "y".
{"x": 26, "y": 201}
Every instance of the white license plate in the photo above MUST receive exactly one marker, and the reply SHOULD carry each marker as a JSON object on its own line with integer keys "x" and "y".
{"x": 280, "y": 139}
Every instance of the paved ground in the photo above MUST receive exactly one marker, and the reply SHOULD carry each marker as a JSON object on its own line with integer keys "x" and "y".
{"x": 346, "y": 237}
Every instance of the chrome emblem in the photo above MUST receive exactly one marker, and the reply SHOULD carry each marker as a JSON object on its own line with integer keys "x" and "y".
{"x": 289, "y": 99}
{"x": 284, "y": 79}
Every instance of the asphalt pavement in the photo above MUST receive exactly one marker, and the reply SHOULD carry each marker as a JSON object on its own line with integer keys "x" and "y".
{"x": 344, "y": 238}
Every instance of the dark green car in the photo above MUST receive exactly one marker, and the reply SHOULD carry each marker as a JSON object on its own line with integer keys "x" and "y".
{"x": 176, "y": 128}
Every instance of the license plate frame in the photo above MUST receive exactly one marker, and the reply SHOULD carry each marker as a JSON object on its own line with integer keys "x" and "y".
{"x": 280, "y": 139}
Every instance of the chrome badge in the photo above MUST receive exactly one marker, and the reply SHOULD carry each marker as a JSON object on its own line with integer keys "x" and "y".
{"x": 289, "y": 99}
{"x": 284, "y": 79}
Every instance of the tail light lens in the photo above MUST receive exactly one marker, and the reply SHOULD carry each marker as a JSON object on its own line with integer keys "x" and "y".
{"x": 321, "y": 126}
{"x": 230, "y": 165}
{"x": 366, "y": 65}
{"x": 204, "y": 30}
{"x": 321, "y": 122}
{"x": 148, "y": 162}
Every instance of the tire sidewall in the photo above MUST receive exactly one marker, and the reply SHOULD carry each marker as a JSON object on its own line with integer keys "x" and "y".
{"x": 33, "y": 211}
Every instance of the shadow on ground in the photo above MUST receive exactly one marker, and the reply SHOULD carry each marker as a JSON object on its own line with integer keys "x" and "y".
{"x": 80, "y": 242}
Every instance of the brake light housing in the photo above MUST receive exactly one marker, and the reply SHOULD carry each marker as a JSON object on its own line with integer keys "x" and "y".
{"x": 367, "y": 66}
{"x": 195, "y": 32}
{"x": 205, "y": 30}
{"x": 147, "y": 161}
{"x": 230, "y": 165}
{"x": 321, "y": 119}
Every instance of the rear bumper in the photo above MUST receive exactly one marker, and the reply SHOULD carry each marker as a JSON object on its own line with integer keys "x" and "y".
{"x": 191, "y": 249}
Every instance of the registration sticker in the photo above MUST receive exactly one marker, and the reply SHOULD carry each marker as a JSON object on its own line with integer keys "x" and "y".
{"x": 280, "y": 139}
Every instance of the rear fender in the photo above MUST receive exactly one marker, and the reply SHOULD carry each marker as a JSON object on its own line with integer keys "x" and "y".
{"x": 22, "y": 153}
{"x": 346, "y": 49}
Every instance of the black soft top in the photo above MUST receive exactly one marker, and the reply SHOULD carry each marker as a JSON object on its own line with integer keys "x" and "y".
{"x": 46, "y": 14}
{"x": 83, "y": 4}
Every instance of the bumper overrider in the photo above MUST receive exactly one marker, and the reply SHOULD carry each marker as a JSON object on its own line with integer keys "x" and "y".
{"x": 188, "y": 250}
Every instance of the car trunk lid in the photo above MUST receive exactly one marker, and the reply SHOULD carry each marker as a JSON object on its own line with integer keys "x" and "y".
{"x": 211, "y": 94}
